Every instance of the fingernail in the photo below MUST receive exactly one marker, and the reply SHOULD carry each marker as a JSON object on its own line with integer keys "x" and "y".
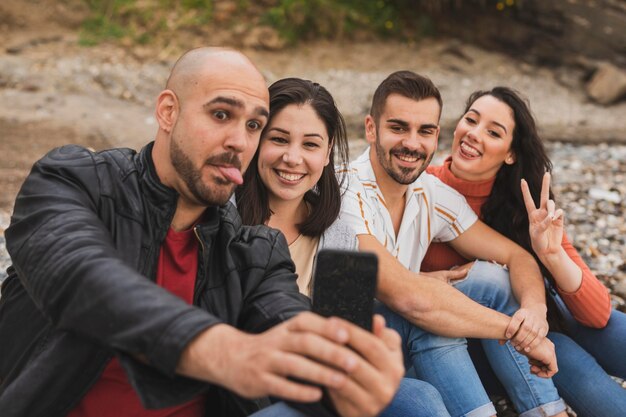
{"x": 508, "y": 335}
{"x": 517, "y": 348}
{"x": 527, "y": 349}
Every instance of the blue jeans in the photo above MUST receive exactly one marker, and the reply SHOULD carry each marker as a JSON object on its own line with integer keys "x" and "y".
{"x": 413, "y": 399}
{"x": 445, "y": 363}
{"x": 607, "y": 345}
{"x": 416, "y": 398}
{"x": 586, "y": 359}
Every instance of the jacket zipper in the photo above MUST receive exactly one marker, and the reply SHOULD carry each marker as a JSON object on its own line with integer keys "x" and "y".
{"x": 201, "y": 273}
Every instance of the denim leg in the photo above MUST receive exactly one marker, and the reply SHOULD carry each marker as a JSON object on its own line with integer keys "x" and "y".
{"x": 416, "y": 398}
{"x": 606, "y": 345}
{"x": 279, "y": 409}
{"x": 489, "y": 285}
{"x": 445, "y": 364}
{"x": 583, "y": 383}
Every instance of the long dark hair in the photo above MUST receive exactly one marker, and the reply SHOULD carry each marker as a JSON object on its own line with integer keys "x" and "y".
{"x": 325, "y": 197}
{"x": 504, "y": 209}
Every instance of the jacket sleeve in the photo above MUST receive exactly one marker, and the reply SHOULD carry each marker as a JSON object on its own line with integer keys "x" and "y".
{"x": 591, "y": 303}
{"x": 67, "y": 262}
{"x": 272, "y": 297}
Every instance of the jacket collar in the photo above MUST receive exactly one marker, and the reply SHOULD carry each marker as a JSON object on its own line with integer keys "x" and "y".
{"x": 158, "y": 194}
{"x": 164, "y": 198}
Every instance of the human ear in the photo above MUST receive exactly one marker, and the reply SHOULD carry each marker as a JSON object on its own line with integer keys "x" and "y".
{"x": 330, "y": 148}
{"x": 510, "y": 158}
{"x": 370, "y": 129}
{"x": 167, "y": 110}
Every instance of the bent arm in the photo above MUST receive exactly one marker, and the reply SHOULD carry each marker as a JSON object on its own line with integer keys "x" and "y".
{"x": 68, "y": 263}
{"x": 430, "y": 303}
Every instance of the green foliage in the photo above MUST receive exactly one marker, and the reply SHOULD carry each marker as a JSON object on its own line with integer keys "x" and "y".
{"x": 141, "y": 20}
{"x": 298, "y": 19}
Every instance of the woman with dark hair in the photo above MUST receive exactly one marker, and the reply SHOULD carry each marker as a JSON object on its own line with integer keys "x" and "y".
{"x": 500, "y": 165}
{"x": 291, "y": 185}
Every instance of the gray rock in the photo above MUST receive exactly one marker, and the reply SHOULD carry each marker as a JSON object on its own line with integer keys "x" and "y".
{"x": 619, "y": 289}
{"x": 608, "y": 84}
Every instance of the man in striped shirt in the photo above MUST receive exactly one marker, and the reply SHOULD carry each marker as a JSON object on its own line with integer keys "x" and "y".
{"x": 396, "y": 210}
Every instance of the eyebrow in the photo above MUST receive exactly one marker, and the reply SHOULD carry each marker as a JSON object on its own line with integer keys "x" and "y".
{"x": 261, "y": 111}
{"x": 494, "y": 122}
{"x": 398, "y": 122}
{"x": 286, "y": 132}
{"x": 406, "y": 124}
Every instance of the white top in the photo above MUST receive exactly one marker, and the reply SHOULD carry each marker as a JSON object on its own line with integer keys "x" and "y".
{"x": 433, "y": 212}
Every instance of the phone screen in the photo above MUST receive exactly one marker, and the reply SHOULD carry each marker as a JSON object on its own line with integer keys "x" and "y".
{"x": 345, "y": 285}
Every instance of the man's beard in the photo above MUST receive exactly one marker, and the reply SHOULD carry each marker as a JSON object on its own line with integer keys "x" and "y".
{"x": 215, "y": 194}
{"x": 401, "y": 175}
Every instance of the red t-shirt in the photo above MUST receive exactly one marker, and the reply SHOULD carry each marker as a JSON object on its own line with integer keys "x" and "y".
{"x": 112, "y": 395}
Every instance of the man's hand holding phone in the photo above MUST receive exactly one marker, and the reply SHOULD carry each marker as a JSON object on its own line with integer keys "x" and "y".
{"x": 361, "y": 370}
{"x": 344, "y": 286}
{"x": 371, "y": 385}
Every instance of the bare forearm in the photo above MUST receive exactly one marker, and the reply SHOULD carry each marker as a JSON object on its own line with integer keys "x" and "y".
{"x": 564, "y": 270}
{"x": 441, "y": 309}
{"x": 526, "y": 280}
{"x": 429, "y": 303}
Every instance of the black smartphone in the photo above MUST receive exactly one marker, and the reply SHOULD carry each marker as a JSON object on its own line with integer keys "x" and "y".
{"x": 345, "y": 285}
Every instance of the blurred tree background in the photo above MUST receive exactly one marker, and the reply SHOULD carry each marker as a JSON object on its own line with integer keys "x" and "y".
{"x": 552, "y": 33}
{"x": 295, "y": 20}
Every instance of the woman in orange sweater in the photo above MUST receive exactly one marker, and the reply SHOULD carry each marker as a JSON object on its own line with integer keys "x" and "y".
{"x": 500, "y": 165}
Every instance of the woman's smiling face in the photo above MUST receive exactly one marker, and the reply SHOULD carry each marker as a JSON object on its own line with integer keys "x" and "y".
{"x": 482, "y": 140}
{"x": 293, "y": 152}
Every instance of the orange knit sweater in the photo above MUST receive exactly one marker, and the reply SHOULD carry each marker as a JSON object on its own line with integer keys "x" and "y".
{"x": 590, "y": 304}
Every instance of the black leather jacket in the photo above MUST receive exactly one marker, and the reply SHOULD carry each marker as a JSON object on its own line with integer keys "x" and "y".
{"x": 84, "y": 241}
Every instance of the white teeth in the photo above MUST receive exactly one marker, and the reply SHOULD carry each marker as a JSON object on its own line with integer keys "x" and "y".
{"x": 469, "y": 150}
{"x": 289, "y": 177}
{"x": 407, "y": 158}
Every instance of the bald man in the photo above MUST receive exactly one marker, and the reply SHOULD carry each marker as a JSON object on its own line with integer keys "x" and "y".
{"x": 135, "y": 287}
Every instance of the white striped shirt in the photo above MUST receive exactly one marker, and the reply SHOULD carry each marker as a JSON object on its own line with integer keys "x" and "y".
{"x": 433, "y": 212}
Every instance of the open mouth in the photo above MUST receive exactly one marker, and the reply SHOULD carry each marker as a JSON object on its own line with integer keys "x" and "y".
{"x": 407, "y": 158}
{"x": 289, "y": 176}
{"x": 468, "y": 151}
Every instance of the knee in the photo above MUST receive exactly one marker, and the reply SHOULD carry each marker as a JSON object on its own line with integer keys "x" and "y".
{"x": 489, "y": 273}
{"x": 418, "y": 398}
{"x": 489, "y": 284}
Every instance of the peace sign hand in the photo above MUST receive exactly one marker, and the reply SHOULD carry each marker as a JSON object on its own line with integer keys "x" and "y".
{"x": 545, "y": 224}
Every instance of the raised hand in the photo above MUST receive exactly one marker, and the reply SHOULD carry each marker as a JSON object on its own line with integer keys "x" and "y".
{"x": 545, "y": 223}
